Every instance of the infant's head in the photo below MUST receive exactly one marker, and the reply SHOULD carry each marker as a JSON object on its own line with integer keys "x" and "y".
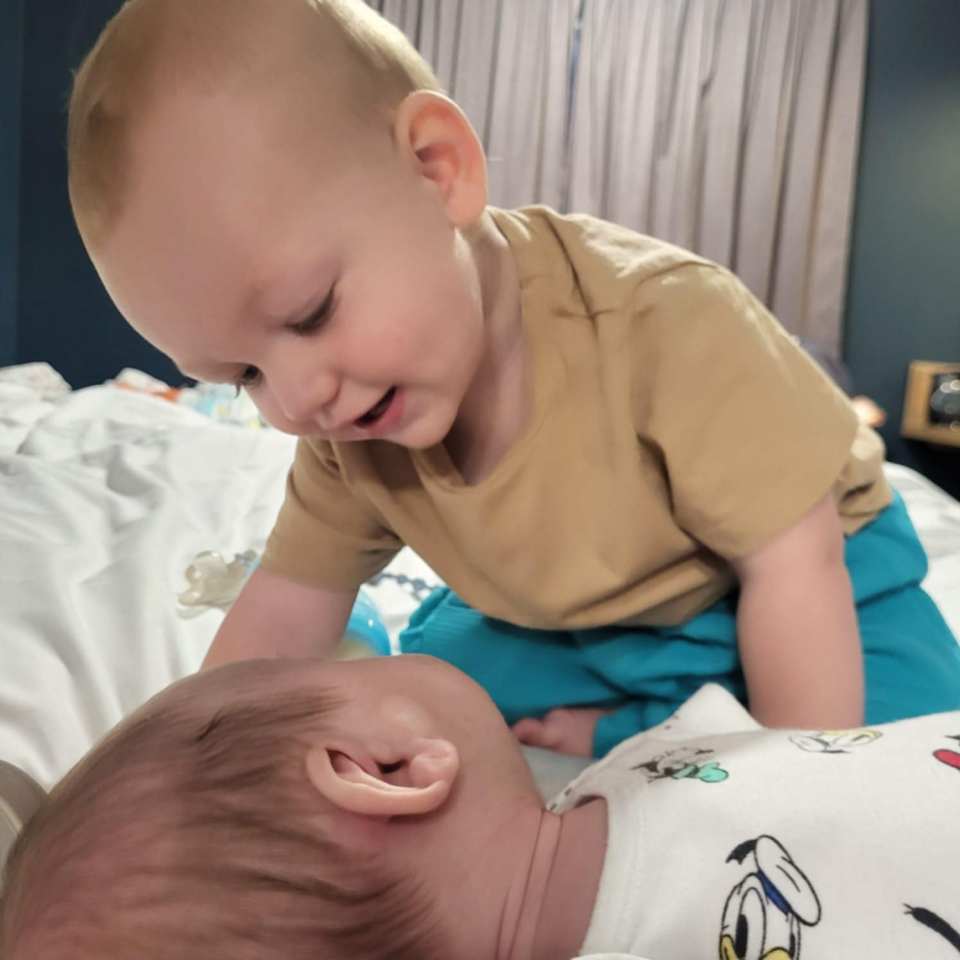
{"x": 272, "y": 809}
{"x": 276, "y": 195}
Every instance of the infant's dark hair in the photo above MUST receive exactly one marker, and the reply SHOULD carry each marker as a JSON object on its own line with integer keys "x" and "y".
{"x": 190, "y": 835}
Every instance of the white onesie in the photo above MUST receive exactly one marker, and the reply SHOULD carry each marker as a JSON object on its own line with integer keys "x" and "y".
{"x": 730, "y": 840}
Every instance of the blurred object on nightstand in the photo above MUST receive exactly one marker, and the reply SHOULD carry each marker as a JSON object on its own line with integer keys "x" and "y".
{"x": 931, "y": 406}
{"x": 869, "y": 412}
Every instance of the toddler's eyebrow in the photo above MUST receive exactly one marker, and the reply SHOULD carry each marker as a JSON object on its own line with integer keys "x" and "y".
{"x": 304, "y": 289}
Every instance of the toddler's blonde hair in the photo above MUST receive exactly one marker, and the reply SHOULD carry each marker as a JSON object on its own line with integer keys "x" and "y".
{"x": 350, "y": 57}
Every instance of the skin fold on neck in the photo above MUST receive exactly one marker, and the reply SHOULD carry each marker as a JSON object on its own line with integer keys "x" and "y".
{"x": 548, "y": 908}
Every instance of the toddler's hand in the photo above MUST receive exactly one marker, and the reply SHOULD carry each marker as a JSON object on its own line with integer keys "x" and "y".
{"x": 564, "y": 730}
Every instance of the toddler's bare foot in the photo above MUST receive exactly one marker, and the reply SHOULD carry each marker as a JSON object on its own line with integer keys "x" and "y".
{"x": 566, "y": 730}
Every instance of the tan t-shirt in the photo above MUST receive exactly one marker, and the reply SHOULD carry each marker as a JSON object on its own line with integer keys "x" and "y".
{"x": 675, "y": 426}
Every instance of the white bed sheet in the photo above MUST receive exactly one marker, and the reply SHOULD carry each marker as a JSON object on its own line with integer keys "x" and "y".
{"x": 105, "y": 498}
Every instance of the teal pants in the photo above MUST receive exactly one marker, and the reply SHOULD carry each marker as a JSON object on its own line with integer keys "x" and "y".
{"x": 911, "y": 659}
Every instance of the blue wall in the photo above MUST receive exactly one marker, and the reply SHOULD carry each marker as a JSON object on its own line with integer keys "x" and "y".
{"x": 65, "y": 317}
{"x": 11, "y": 63}
{"x": 904, "y": 296}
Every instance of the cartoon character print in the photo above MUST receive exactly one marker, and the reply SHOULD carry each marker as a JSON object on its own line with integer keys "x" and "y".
{"x": 765, "y": 912}
{"x": 835, "y": 741}
{"x": 950, "y": 757}
{"x": 936, "y": 923}
{"x": 928, "y": 918}
{"x": 684, "y": 763}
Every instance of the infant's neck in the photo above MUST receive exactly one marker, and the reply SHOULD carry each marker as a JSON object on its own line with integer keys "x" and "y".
{"x": 549, "y": 905}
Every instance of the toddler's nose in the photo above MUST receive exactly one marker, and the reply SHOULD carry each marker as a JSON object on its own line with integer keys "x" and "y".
{"x": 307, "y": 399}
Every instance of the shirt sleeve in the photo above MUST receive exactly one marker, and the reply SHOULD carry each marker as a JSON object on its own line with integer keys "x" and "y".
{"x": 325, "y": 534}
{"x": 750, "y": 430}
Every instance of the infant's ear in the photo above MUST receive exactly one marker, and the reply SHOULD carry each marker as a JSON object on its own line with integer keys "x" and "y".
{"x": 417, "y": 783}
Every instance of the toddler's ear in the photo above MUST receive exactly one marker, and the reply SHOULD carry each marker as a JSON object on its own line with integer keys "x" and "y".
{"x": 447, "y": 151}
{"x": 418, "y": 783}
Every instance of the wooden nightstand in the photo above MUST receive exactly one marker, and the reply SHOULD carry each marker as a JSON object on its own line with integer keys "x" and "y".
{"x": 931, "y": 405}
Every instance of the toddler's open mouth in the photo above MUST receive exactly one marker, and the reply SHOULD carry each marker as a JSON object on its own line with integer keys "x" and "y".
{"x": 377, "y": 410}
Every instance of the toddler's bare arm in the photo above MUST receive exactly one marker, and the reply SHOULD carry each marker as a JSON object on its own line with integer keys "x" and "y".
{"x": 276, "y": 617}
{"x": 797, "y": 628}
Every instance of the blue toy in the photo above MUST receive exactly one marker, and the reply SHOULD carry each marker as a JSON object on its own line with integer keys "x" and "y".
{"x": 366, "y": 629}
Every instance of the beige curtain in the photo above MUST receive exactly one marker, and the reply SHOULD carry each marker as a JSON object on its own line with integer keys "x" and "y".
{"x": 730, "y": 127}
{"x": 727, "y": 126}
{"x": 507, "y": 63}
